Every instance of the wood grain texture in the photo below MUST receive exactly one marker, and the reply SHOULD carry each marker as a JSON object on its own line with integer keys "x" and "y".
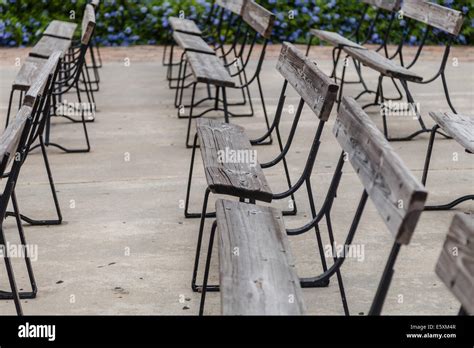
{"x": 183, "y": 25}
{"x": 28, "y": 72}
{"x": 317, "y": 89}
{"x": 259, "y": 18}
{"x": 239, "y": 178}
{"x": 208, "y": 68}
{"x": 88, "y": 24}
{"x": 334, "y": 38}
{"x": 397, "y": 195}
{"x": 47, "y": 45}
{"x": 257, "y": 271}
{"x": 11, "y": 136}
{"x": 381, "y": 64}
{"x": 459, "y": 127}
{"x": 235, "y": 6}
{"x": 455, "y": 265}
{"x": 192, "y": 43}
{"x": 389, "y": 5}
{"x": 434, "y": 15}
{"x": 39, "y": 82}
{"x": 61, "y": 30}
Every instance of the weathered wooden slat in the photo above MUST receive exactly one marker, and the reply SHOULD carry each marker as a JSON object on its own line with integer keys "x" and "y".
{"x": 88, "y": 24}
{"x": 235, "y": 6}
{"x": 11, "y": 136}
{"x": 389, "y": 5}
{"x": 184, "y": 26}
{"x": 208, "y": 68}
{"x": 459, "y": 127}
{"x": 334, "y": 38}
{"x": 317, "y": 89}
{"x": 39, "y": 82}
{"x": 192, "y": 43}
{"x": 381, "y": 64}
{"x": 47, "y": 45}
{"x": 455, "y": 265}
{"x": 28, "y": 72}
{"x": 95, "y": 3}
{"x": 257, "y": 271}
{"x": 239, "y": 176}
{"x": 259, "y": 18}
{"x": 434, "y": 15}
{"x": 398, "y": 196}
{"x": 61, "y": 30}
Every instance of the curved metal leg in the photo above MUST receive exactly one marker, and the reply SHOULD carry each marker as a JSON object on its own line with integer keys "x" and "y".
{"x": 195, "y": 287}
{"x": 8, "y": 295}
{"x": 206, "y": 271}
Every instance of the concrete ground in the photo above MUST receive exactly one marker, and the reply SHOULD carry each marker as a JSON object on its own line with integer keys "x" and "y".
{"x": 125, "y": 247}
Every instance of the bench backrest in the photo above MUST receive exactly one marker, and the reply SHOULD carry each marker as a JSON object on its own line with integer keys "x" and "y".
{"x": 389, "y": 5}
{"x": 88, "y": 24}
{"x": 235, "y": 6}
{"x": 259, "y": 18}
{"x": 397, "y": 195}
{"x": 455, "y": 265}
{"x": 38, "y": 86}
{"x": 315, "y": 87}
{"x": 434, "y": 15}
{"x": 10, "y": 138}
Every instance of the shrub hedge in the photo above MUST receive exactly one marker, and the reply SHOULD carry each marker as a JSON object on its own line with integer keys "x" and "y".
{"x": 130, "y": 22}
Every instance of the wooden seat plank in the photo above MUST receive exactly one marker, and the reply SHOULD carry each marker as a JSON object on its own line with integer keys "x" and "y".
{"x": 61, "y": 30}
{"x": 381, "y": 64}
{"x": 315, "y": 87}
{"x": 47, "y": 45}
{"x": 389, "y": 5}
{"x": 459, "y": 127}
{"x": 242, "y": 177}
{"x": 235, "y": 6}
{"x": 455, "y": 265}
{"x": 28, "y": 73}
{"x": 435, "y": 15}
{"x": 257, "y": 271}
{"x": 11, "y": 136}
{"x": 192, "y": 43}
{"x": 39, "y": 83}
{"x": 184, "y": 25}
{"x": 335, "y": 39}
{"x": 398, "y": 196}
{"x": 209, "y": 69}
{"x": 259, "y": 18}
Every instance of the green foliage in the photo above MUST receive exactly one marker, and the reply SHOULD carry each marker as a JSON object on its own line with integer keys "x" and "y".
{"x": 127, "y": 22}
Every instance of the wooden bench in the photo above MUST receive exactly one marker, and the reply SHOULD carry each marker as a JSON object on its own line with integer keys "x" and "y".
{"x": 461, "y": 129}
{"x": 13, "y": 144}
{"x": 65, "y": 30}
{"x": 210, "y": 69}
{"x": 246, "y": 181}
{"x": 196, "y": 43}
{"x": 397, "y": 195}
{"x": 257, "y": 273}
{"x": 455, "y": 265}
{"x": 340, "y": 41}
{"x": 434, "y": 16}
{"x": 386, "y": 8}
